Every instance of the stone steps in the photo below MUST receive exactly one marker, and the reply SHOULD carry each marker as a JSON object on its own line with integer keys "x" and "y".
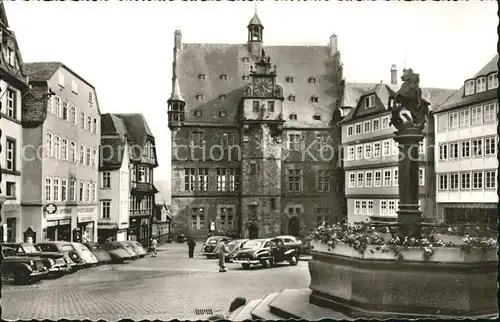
{"x": 287, "y": 304}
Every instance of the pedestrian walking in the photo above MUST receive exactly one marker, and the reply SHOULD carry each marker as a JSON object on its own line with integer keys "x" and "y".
{"x": 222, "y": 251}
{"x": 191, "y": 245}
{"x": 154, "y": 243}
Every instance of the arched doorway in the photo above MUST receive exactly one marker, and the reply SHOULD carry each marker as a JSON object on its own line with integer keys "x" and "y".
{"x": 253, "y": 231}
{"x": 293, "y": 226}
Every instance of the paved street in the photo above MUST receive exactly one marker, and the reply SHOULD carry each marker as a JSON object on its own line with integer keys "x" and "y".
{"x": 167, "y": 287}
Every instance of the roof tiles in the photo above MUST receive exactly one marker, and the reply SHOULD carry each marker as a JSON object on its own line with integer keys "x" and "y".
{"x": 299, "y": 62}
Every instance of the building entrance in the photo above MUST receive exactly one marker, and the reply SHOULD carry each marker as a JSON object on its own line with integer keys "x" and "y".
{"x": 59, "y": 230}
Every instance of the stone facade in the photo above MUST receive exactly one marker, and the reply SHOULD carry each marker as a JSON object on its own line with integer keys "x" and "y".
{"x": 250, "y": 161}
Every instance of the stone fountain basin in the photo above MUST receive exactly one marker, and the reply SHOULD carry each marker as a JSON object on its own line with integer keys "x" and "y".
{"x": 451, "y": 283}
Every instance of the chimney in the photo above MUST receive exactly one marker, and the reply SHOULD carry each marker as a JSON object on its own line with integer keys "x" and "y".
{"x": 394, "y": 75}
{"x": 332, "y": 46}
{"x": 178, "y": 39}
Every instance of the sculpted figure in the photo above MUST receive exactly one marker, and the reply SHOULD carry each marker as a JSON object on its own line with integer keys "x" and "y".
{"x": 409, "y": 98}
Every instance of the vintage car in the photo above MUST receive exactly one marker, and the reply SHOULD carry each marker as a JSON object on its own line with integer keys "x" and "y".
{"x": 22, "y": 269}
{"x": 234, "y": 247}
{"x": 99, "y": 252}
{"x": 68, "y": 250}
{"x": 51, "y": 248}
{"x": 209, "y": 248}
{"x": 53, "y": 261}
{"x": 138, "y": 248}
{"x": 267, "y": 252}
{"x": 85, "y": 254}
{"x": 125, "y": 245}
{"x": 116, "y": 251}
{"x": 289, "y": 240}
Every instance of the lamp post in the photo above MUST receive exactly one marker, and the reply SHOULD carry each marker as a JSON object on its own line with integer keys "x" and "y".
{"x": 409, "y": 112}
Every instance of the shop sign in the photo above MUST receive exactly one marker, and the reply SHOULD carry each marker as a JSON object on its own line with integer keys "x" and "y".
{"x": 87, "y": 211}
{"x": 81, "y": 219}
{"x": 109, "y": 225}
{"x": 51, "y": 208}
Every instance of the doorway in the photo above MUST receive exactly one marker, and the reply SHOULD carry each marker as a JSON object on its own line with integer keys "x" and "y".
{"x": 253, "y": 231}
{"x": 294, "y": 226}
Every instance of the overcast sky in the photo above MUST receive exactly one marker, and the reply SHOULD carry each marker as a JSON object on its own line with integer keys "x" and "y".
{"x": 125, "y": 48}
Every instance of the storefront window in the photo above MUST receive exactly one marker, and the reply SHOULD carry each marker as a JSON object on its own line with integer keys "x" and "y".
{"x": 59, "y": 230}
{"x": 87, "y": 231}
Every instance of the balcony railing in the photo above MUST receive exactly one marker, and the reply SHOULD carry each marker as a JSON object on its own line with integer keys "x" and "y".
{"x": 142, "y": 186}
{"x": 140, "y": 212}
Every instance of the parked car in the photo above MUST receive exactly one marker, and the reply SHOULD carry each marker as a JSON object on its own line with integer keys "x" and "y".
{"x": 267, "y": 252}
{"x": 234, "y": 247}
{"x": 53, "y": 261}
{"x": 103, "y": 257}
{"x": 138, "y": 248}
{"x": 116, "y": 251}
{"x": 68, "y": 250}
{"x": 51, "y": 248}
{"x": 295, "y": 242}
{"x": 181, "y": 238}
{"x": 209, "y": 248}
{"x": 129, "y": 249}
{"x": 22, "y": 269}
{"x": 85, "y": 254}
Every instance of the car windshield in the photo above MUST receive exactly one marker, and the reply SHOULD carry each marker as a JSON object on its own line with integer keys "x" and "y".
{"x": 233, "y": 243}
{"x": 29, "y": 249}
{"x": 48, "y": 248}
{"x": 252, "y": 244}
{"x": 212, "y": 240}
{"x": 67, "y": 248}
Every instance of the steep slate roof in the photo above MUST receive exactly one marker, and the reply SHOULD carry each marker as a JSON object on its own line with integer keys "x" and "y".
{"x": 112, "y": 125}
{"x": 112, "y": 151}
{"x": 136, "y": 126}
{"x": 435, "y": 96}
{"x": 300, "y": 62}
{"x": 41, "y": 71}
{"x": 458, "y": 98}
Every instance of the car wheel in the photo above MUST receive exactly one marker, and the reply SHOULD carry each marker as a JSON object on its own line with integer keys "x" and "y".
{"x": 267, "y": 263}
{"x": 294, "y": 260}
{"x": 245, "y": 266}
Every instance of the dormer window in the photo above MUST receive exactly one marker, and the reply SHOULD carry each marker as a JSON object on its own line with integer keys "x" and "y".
{"x": 293, "y": 116}
{"x": 480, "y": 84}
{"x": 492, "y": 81}
{"x": 198, "y": 113}
{"x": 10, "y": 56}
{"x": 312, "y": 80}
{"x": 201, "y": 76}
{"x": 291, "y": 98}
{"x": 199, "y": 97}
{"x": 223, "y": 76}
{"x": 222, "y": 113}
{"x": 317, "y": 117}
{"x": 222, "y": 97}
{"x": 469, "y": 87}
{"x": 369, "y": 101}
{"x": 245, "y": 77}
{"x": 314, "y": 99}
{"x": 246, "y": 60}
{"x": 289, "y": 79}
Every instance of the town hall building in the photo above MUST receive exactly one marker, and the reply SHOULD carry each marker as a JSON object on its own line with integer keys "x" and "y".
{"x": 254, "y": 140}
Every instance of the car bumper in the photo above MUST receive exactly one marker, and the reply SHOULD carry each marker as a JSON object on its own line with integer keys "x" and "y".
{"x": 209, "y": 254}
{"x": 38, "y": 273}
{"x": 59, "y": 269}
{"x": 246, "y": 261}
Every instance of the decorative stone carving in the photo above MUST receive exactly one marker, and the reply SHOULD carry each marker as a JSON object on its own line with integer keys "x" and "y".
{"x": 409, "y": 109}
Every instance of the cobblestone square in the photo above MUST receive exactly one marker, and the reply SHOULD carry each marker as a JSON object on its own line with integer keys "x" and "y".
{"x": 170, "y": 286}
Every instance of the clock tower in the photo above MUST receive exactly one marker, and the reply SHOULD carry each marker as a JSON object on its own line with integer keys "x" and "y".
{"x": 261, "y": 111}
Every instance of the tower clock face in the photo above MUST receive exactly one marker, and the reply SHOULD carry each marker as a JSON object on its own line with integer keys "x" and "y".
{"x": 263, "y": 86}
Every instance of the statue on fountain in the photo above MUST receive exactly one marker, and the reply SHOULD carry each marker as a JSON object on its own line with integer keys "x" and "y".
{"x": 409, "y": 110}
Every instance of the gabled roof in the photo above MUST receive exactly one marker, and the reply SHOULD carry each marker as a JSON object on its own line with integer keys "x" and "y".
{"x": 132, "y": 127}
{"x": 435, "y": 96}
{"x": 112, "y": 151}
{"x": 3, "y": 15}
{"x": 458, "y": 98}
{"x": 41, "y": 71}
{"x": 299, "y": 62}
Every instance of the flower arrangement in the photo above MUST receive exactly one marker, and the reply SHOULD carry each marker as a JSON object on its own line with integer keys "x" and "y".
{"x": 386, "y": 237}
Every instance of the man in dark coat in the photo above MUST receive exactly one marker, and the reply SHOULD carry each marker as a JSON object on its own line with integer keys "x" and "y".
{"x": 191, "y": 245}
